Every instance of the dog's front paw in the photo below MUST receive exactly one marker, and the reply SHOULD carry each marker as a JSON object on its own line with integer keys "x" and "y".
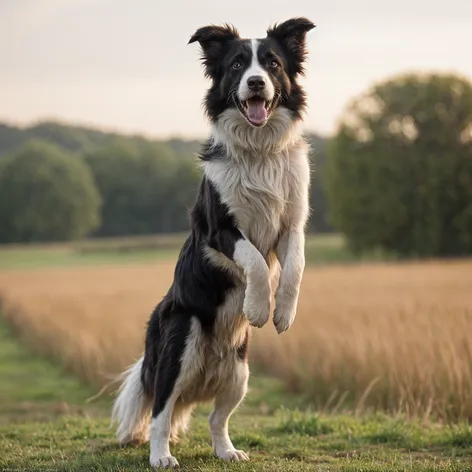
{"x": 256, "y": 305}
{"x": 258, "y": 316}
{"x": 164, "y": 462}
{"x": 284, "y": 313}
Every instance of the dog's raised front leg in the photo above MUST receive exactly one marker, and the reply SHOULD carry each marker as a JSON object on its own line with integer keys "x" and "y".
{"x": 235, "y": 246}
{"x": 291, "y": 255}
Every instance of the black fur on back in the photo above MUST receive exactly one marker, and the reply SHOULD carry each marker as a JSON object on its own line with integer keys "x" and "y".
{"x": 199, "y": 287}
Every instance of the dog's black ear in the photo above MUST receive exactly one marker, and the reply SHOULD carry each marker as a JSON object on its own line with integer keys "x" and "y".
{"x": 291, "y": 34}
{"x": 213, "y": 40}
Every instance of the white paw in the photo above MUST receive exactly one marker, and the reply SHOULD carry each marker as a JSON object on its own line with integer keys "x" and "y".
{"x": 258, "y": 316}
{"x": 284, "y": 313}
{"x": 164, "y": 462}
{"x": 256, "y": 307}
{"x": 256, "y": 304}
{"x": 232, "y": 455}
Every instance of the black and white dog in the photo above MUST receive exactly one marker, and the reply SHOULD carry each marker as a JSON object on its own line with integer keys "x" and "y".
{"x": 247, "y": 233}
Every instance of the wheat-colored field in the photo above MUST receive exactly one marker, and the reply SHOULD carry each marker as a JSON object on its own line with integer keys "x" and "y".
{"x": 387, "y": 336}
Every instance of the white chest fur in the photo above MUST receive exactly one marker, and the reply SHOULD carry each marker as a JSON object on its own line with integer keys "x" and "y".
{"x": 263, "y": 192}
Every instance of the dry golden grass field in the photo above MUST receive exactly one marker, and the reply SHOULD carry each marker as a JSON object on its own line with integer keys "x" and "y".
{"x": 387, "y": 336}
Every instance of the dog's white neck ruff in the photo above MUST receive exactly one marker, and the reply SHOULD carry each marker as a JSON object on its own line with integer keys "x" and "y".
{"x": 241, "y": 139}
{"x": 261, "y": 175}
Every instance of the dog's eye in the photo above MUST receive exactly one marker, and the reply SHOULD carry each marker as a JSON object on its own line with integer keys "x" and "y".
{"x": 236, "y": 65}
{"x": 273, "y": 64}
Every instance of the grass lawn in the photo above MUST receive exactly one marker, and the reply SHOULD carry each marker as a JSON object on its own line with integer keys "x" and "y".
{"x": 37, "y": 257}
{"x": 45, "y": 425}
{"x": 320, "y": 249}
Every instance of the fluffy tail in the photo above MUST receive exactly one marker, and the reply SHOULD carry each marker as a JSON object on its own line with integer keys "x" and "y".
{"x": 132, "y": 407}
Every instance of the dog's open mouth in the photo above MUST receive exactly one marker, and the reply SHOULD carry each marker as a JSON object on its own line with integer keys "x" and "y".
{"x": 256, "y": 110}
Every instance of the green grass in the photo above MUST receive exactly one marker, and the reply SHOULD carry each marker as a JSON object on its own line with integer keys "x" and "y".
{"x": 34, "y": 388}
{"x": 38, "y": 258}
{"x": 122, "y": 250}
{"x": 332, "y": 249}
{"x": 320, "y": 249}
{"x": 45, "y": 425}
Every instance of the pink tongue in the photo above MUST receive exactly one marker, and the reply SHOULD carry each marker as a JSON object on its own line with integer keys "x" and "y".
{"x": 256, "y": 111}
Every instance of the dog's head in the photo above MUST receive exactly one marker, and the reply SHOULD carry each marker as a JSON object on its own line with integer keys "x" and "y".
{"x": 254, "y": 76}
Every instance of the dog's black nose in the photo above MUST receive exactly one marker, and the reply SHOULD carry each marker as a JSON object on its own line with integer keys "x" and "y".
{"x": 256, "y": 83}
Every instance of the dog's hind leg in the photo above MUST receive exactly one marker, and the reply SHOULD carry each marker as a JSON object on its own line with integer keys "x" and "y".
{"x": 160, "y": 455}
{"x": 172, "y": 372}
{"x": 180, "y": 420}
{"x": 226, "y": 401}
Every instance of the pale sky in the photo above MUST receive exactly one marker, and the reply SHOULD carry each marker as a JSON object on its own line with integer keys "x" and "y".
{"x": 125, "y": 65}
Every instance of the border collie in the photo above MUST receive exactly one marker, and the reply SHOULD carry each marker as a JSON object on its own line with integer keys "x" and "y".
{"x": 247, "y": 236}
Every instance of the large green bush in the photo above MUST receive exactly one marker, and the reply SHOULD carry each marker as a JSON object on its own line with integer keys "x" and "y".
{"x": 399, "y": 173}
{"x": 46, "y": 195}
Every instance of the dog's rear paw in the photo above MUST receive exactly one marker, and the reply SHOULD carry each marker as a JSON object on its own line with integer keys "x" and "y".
{"x": 165, "y": 462}
{"x": 232, "y": 455}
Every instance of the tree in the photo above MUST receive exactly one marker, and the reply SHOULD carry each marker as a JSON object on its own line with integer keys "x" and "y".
{"x": 399, "y": 173}
{"x": 318, "y": 220}
{"x": 145, "y": 189}
{"x": 80, "y": 140}
{"x": 46, "y": 195}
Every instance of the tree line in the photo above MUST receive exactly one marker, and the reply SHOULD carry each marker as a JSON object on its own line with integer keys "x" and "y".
{"x": 397, "y": 175}
{"x": 60, "y": 182}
